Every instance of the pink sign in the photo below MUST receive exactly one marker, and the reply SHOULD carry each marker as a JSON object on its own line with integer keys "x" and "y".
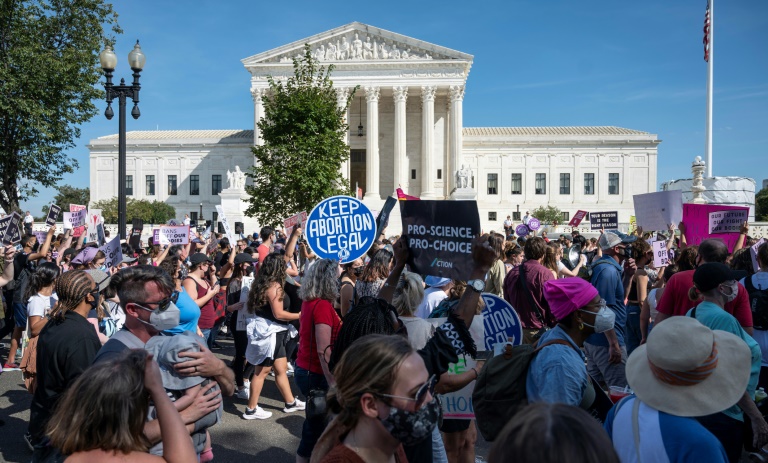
{"x": 696, "y": 220}
{"x": 577, "y": 218}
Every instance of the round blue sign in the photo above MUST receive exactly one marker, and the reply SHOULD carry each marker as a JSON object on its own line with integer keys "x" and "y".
{"x": 341, "y": 228}
{"x": 501, "y": 322}
{"x": 522, "y": 230}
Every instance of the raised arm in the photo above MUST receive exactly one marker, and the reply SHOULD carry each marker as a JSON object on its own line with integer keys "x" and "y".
{"x": 64, "y": 245}
{"x": 7, "y": 275}
{"x": 290, "y": 246}
{"x": 46, "y": 245}
{"x": 742, "y": 241}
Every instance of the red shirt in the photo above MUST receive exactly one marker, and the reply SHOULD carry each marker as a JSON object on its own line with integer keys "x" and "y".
{"x": 263, "y": 251}
{"x": 536, "y": 274}
{"x": 313, "y": 313}
{"x": 675, "y": 301}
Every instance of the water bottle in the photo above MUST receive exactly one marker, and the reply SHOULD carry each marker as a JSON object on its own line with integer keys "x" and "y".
{"x": 760, "y": 395}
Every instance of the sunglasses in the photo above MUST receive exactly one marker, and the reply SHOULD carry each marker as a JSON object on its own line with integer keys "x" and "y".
{"x": 421, "y": 394}
{"x": 163, "y": 304}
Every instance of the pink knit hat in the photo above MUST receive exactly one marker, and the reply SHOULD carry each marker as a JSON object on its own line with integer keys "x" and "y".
{"x": 566, "y": 295}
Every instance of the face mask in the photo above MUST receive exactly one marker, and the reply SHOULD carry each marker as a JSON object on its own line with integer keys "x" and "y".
{"x": 95, "y": 301}
{"x": 358, "y": 271}
{"x": 412, "y": 427}
{"x": 249, "y": 270}
{"x": 162, "y": 320}
{"x": 627, "y": 252}
{"x": 103, "y": 268}
{"x": 604, "y": 320}
{"x": 734, "y": 293}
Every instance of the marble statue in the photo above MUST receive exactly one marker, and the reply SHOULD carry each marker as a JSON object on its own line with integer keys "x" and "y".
{"x": 236, "y": 179}
{"x": 357, "y": 48}
{"x": 463, "y": 177}
{"x": 395, "y": 53}
{"x": 343, "y": 50}
{"x": 330, "y": 52}
{"x": 368, "y": 48}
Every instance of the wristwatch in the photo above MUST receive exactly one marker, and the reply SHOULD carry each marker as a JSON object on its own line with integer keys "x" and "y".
{"x": 477, "y": 285}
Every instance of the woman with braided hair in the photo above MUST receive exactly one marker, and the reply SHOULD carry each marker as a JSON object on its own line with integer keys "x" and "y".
{"x": 66, "y": 347}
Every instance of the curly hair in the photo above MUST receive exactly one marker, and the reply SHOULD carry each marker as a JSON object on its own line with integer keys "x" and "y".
{"x": 687, "y": 258}
{"x": 271, "y": 272}
{"x": 378, "y": 266}
{"x": 408, "y": 294}
{"x": 320, "y": 281}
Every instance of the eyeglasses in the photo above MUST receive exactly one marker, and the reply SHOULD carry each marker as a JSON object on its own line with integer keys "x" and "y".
{"x": 163, "y": 304}
{"x": 421, "y": 394}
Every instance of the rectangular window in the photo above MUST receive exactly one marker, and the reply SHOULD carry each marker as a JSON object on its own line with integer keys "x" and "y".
{"x": 516, "y": 216}
{"x": 439, "y": 174}
{"x": 541, "y": 184}
{"x": 613, "y": 184}
{"x": 565, "y": 184}
{"x": 129, "y": 185}
{"x": 216, "y": 184}
{"x": 150, "y": 185}
{"x": 493, "y": 183}
{"x": 492, "y": 216}
{"x": 193, "y": 216}
{"x": 589, "y": 184}
{"x": 172, "y": 185}
{"x": 566, "y": 217}
{"x": 194, "y": 184}
{"x": 413, "y": 174}
{"x": 517, "y": 184}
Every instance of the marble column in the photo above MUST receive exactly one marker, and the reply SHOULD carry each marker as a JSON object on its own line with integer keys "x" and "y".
{"x": 625, "y": 180}
{"x": 427, "y": 141}
{"x": 342, "y": 94}
{"x": 400, "y": 95}
{"x": 456, "y": 93}
{"x": 258, "y": 113}
{"x": 372, "y": 144}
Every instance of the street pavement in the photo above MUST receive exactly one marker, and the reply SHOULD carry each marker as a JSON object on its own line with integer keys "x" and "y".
{"x": 234, "y": 439}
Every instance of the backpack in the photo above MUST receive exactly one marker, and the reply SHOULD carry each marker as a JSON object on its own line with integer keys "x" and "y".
{"x": 586, "y": 271}
{"x": 758, "y": 302}
{"x": 500, "y": 388}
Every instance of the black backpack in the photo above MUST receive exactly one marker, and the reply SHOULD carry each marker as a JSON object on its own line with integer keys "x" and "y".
{"x": 758, "y": 302}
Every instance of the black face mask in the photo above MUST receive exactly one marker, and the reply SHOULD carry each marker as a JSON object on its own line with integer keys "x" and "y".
{"x": 95, "y": 301}
{"x": 248, "y": 270}
{"x": 358, "y": 271}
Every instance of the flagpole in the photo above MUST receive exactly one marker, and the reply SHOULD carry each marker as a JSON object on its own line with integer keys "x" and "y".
{"x": 710, "y": 61}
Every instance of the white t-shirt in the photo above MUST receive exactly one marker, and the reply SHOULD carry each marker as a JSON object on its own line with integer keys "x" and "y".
{"x": 432, "y": 298}
{"x": 560, "y": 267}
{"x": 40, "y": 306}
{"x": 28, "y": 219}
{"x": 508, "y": 223}
{"x": 760, "y": 281}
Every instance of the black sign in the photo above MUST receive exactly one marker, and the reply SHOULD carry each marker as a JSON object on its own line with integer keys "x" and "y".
{"x": 135, "y": 239}
{"x": 606, "y": 220}
{"x": 53, "y": 215}
{"x": 9, "y": 228}
{"x": 383, "y": 219}
{"x": 440, "y": 235}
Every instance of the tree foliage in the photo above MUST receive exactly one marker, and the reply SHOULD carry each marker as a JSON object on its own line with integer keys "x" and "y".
{"x": 304, "y": 134}
{"x": 48, "y": 71}
{"x": 70, "y": 195}
{"x": 149, "y": 211}
{"x": 548, "y": 215}
{"x": 761, "y": 205}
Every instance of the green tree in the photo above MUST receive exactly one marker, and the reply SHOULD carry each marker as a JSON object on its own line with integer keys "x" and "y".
{"x": 48, "y": 71}
{"x": 548, "y": 214}
{"x": 761, "y": 205}
{"x": 304, "y": 134}
{"x": 152, "y": 212}
{"x": 69, "y": 195}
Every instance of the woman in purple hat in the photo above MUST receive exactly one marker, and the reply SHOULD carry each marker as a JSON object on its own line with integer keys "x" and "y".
{"x": 558, "y": 374}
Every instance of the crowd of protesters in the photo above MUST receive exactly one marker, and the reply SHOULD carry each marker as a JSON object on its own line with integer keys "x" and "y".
{"x": 686, "y": 344}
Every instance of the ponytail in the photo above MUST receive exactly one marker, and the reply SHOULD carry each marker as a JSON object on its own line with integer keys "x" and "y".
{"x": 694, "y": 294}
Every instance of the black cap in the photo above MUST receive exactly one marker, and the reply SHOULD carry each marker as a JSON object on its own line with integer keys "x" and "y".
{"x": 709, "y": 276}
{"x": 199, "y": 258}
{"x": 243, "y": 257}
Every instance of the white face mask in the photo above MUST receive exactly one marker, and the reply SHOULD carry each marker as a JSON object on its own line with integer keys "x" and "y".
{"x": 604, "y": 319}
{"x": 734, "y": 292}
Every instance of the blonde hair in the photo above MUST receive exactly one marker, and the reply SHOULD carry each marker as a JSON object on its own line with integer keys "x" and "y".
{"x": 408, "y": 295}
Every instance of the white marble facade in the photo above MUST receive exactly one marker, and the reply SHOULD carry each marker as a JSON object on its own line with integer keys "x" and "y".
{"x": 409, "y": 103}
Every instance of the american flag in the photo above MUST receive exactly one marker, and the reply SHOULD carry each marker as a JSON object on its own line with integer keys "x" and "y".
{"x": 706, "y": 34}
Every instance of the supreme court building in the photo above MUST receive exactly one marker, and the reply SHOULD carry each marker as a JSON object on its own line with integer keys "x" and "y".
{"x": 406, "y": 130}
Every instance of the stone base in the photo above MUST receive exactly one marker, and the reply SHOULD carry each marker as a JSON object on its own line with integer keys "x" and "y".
{"x": 233, "y": 201}
{"x": 464, "y": 194}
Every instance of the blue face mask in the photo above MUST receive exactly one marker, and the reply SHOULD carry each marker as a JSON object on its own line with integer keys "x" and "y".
{"x": 103, "y": 268}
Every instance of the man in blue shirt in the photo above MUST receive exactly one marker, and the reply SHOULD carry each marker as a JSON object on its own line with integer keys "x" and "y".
{"x": 606, "y": 352}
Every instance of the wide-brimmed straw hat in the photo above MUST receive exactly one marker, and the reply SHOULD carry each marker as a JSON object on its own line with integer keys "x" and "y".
{"x": 686, "y": 369}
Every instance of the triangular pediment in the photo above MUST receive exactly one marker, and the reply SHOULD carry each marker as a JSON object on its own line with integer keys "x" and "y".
{"x": 356, "y": 42}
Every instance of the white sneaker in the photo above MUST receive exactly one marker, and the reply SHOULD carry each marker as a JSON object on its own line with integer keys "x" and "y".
{"x": 296, "y": 406}
{"x": 257, "y": 414}
{"x": 290, "y": 369}
{"x": 244, "y": 393}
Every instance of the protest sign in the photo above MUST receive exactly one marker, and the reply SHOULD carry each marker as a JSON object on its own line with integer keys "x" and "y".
{"x": 606, "y": 220}
{"x": 78, "y": 230}
{"x": 168, "y": 235}
{"x": 727, "y": 221}
{"x": 92, "y": 219}
{"x": 114, "y": 253}
{"x": 242, "y": 314}
{"x": 75, "y": 220}
{"x": 9, "y": 228}
{"x": 53, "y": 215}
{"x": 534, "y": 224}
{"x": 655, "y": 211}
{"x": 225, "y": 223}
{"x": 500, "y": 322}
{"x": 41, "y": 236}
{"x": 292, "y": 221}
{"x": 440, "y": 235}
{"x": 632, "y": 223}
{"x": 577, "y": 218}
{"x": 382, "y": 219}
{"x": 753, "y": 251}
{"x": 137, "y": 228}
{"x": 660, "y": 257}
{"x": 696, "y": 220}
{"x": 522, "y": 230}
{"x": 341, "y": 227}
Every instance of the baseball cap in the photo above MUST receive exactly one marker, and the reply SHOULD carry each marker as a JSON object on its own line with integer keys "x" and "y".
{"x": 610, "y": 239}
{"x": 100, "y": 277}
{"x": 199, "y": 258}
{"x": 709, "y": 276}
{"x": 437, "y": 282}
{"x": 243, "y": 257}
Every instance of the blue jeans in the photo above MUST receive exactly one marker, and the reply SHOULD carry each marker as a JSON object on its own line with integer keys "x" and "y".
{"x": 633, "y": 335}
{"x": 207, "y": 334}
{"x": 312, "y": 429}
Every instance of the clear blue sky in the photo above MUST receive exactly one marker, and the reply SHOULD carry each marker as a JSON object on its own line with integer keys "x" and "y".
{"x": 637, "y": 65}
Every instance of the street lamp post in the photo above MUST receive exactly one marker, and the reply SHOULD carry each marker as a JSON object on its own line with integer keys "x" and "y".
{"x": 108, "y": 61}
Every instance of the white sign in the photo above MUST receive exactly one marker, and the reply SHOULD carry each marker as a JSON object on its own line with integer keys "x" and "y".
{"x": 75, "y": 219}
{"x": 294, "y": 220}
{"x": 655, "y": 211}
{"x": 92, "y": 220}
{"x": 174, "y": 235}
{"x": 753, "y": 252}
{"x": 114, "y": 253}
{"x": 225, "y": 224}
{"x": 660, "y": 256}
{"x": 727, "y": 221}
{"x": 242, "y": 314}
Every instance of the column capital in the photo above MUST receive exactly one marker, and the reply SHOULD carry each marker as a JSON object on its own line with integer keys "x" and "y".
{"x": 342, "y": 94}
{"x": 257, "y": 94}
{"x": 456, "y": 92}
{"x": 428, "y": 93}
{"x": 371, "y": 94}
{"x": 399, "y": 94}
